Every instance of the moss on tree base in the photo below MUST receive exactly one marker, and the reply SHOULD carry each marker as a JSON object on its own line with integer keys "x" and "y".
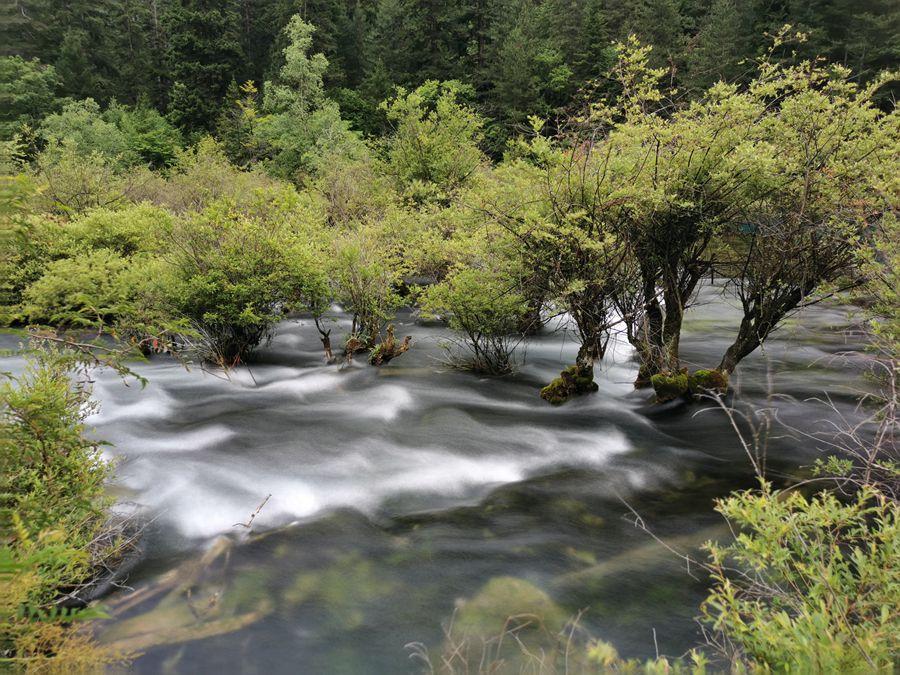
{"x": 669, "y": 386}
{"x": 708, "y": 380}
{"x": 573, "y": 381}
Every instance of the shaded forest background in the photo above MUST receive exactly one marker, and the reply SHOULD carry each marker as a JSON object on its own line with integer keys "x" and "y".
{"x": 521, "y": 57}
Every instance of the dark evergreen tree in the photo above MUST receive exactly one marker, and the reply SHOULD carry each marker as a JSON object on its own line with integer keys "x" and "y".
{"x": 204, "y": 55}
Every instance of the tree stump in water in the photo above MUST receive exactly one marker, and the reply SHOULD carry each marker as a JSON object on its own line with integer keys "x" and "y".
{"x": 388, "y": 348}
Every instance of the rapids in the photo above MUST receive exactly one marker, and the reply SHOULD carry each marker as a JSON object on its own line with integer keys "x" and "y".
{"x": 398, "y": 492}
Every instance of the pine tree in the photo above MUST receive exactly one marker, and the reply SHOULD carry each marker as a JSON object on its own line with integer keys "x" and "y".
{"x": 204, "y": 55}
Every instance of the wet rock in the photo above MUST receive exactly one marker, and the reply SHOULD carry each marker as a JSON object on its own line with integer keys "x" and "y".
{"x": 486, "y": 615}
{"x": 573, "y": 381}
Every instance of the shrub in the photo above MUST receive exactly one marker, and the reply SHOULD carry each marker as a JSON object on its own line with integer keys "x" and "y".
{"x": 234, "y": 275}
{"x": 125, "y": 231}
{"x": 808, "y": 585}
{"x": 148, "y": 137}
{"x": 486, "y": 308}
{"x": 94, "y": 289}
{"x": 364, "y": 276}
{"x": 200, "y": 175}
{"x": 26, "y": 243}
{"x": 54, "y": 535}
{"x": 74, "y": 182}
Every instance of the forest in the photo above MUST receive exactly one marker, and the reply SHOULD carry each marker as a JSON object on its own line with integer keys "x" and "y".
{"x": 533, "y": 336}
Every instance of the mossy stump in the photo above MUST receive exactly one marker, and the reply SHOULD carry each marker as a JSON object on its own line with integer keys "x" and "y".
{"x": 669, "y": 386}
{"x": 708, "y": 380}
{"x": 573, "y": 381}
{"x": 389, "y": 349}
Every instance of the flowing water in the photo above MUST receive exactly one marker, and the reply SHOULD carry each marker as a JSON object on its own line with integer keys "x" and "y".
{"x": 398, "y": 493}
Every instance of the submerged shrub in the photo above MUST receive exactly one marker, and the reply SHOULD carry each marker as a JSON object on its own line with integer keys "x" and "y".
{"x": 365, "y": 275}
{"x": 485, "y": 307}
{"x": 233, "y": 276}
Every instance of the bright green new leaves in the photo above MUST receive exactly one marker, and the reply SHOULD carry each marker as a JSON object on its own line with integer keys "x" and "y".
{"x": 95, "y": 289}
{"x": 809, "y": 584}
{"x": 487, "y": 307}
{"x": 433, "y": 150}
{"x": 234, "y": 275}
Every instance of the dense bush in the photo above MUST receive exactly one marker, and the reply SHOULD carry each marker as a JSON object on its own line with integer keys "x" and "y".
{"x": 96, "y": 289}
{"x": 486, "y": 307}
{"x": 808, "y": 585}
{"x": 54, "y": 515}
{"x": 233, "y": 275}
{"x": 433, "y": 149}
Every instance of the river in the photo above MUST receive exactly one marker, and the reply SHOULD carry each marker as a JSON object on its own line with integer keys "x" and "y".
{"x": 399, "y": 493}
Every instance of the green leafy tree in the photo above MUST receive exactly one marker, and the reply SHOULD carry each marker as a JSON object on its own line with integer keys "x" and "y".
{"x": 27, "y": 94}
{"x": 149, "y": 137}
{"x": 303, "y": 128}
{"x": 204, "y": 55}
{"x": 82, "y": 127}
{"x": 433, "y": 150}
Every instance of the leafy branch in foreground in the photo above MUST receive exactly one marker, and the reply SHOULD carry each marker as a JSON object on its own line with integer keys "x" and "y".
{"x": 56, "y": 536}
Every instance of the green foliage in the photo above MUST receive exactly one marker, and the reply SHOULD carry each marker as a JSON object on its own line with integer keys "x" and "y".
{"x": 126, "y": 231}
{"x": 433, "y": 150}
{"x": 95, "y": 289}
{"x": 148, "y": 137}
{"x": 234, "y": 273}
{"x": 73, "y": 182}
{"x": 53, "y": 511}
{"x": 25, "y": 242}
{"x": 364, "y": 274}
{"x": 82, "y": 126}
{"x": 52, "y": 474}
{"x": 486, "y": 307}
{"x": 238, "y": 126}
{"x": 204, "y": 54}
{"x": 808, "y": 584}
{"x": 27, "y": 94}
{"x": 303, "y": 128}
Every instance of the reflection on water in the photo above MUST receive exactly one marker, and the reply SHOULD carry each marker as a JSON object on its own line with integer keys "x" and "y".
{"x": 398, "y": 493}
